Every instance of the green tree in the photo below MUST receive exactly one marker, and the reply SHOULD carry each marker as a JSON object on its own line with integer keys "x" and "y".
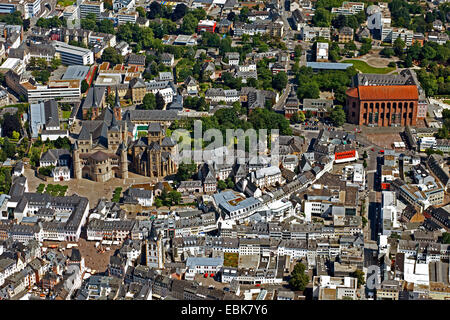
{"x": 308, "y": 90}
{"x": 387, "y": 52}
{"x": 160, "y": 103}
{"x": 298, "y": 50}
{"x": 158, "y": 202}
{"x": 351, "y": 46}
{"x": 9, "y": 124}
{"x": 189, "y": 24}
{"x": 338, "y": 116}
{"x": 149, "y": 102}
{"x": 141, "y": 11}
{"x": 174, "y": 197}
{"x": 359, "y": 274}
{"x": 111, "y": 55}
{"x": 222, "y": 185}
{"x": 279, "y": 81}
{"x": 89, "y": 23}
{"x": 185, "y": 171}
{"x": 446, "y": 238}
{"x": 365, "y": 47}
{"x": 105, "y": 26}
{"x": 299, "y": 279}
{"x": 5, "y": 180}
{"x": 155, "y": 10}
{"x": 179, "y": 12}
{"x": 84, "y": 86}
{"x": 364, "y": 221}
{"x": 15, "y": 135}
{"x": 230, "y": 183}
{"x": 322, "y": 18}
{"x": 399, "y": 45}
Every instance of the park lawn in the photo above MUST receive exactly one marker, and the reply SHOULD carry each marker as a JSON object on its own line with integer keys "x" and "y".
{"x": 365, "y": 68}
{"x": 447, "y": 101}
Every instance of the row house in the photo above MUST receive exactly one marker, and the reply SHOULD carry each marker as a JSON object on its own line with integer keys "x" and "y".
{"x": 116, "y": 230}
{"x": 221, "y": 95}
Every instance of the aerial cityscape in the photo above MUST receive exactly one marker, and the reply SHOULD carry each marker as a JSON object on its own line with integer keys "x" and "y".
{"x": 224, "y": 150}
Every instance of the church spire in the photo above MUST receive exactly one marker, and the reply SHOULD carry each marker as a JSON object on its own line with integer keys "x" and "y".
{"x": 94, "y": 97}
{"x": 117, "y": 104}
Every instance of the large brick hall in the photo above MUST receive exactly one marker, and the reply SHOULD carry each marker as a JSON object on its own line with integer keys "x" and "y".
{"x": 382, "y": 106}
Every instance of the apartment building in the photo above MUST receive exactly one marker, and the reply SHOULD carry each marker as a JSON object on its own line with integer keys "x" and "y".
{"x": 72, "y": 55}
{"x": 334, "y": 288}
{"x": 87, "y": 7}
{"x": 68, "y": 90}
{"x": 390, "y": 34}
{"x": 348, "y": 8}
{"x": 310, "y": 33}
{"x": 266, "y": 177}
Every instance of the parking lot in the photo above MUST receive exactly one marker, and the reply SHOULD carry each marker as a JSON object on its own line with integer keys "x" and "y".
{"x": 384, "y": 140}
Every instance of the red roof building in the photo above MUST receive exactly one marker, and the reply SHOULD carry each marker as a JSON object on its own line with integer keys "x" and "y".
{"x": 382, "y": 106}
{"x": 207, "y": 26}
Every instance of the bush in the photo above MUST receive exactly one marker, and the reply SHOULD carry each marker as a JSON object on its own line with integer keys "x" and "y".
{"x": 40, "y": 188}
{"x": 46, "y": 171}
{"x": 116, "y": 195}
{"x": 392, "y": 64}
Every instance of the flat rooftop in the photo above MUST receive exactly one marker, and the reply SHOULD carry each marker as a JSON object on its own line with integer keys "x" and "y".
{"x": 76, "y": 73}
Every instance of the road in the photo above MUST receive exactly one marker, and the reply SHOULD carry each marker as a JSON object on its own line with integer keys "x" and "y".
{"x": 280, "y": 103}
{"x": 374, "y": 209}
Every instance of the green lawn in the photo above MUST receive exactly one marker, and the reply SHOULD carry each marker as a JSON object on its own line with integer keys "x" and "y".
{"x": 447, "y": 101}
{"x": 365, "y": 68}
{"x": 56, "y": 190}
{"x": 65, "y": 3}
{"x": 66, "y": 114}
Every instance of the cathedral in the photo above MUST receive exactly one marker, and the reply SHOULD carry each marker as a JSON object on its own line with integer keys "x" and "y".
{"x": 100, "y": 152}
{"x": 153, "y": 156}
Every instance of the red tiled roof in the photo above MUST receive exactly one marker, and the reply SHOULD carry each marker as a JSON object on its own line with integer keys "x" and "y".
{"x": 353, "y": 92}
{"x": 408, "y": 92}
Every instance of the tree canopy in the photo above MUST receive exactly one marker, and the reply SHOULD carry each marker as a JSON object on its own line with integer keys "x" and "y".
{"x": 299, "y": 279}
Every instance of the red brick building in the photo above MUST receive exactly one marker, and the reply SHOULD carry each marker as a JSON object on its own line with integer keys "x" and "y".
{"x": 207, "y": 26}
{"x": 382, "y": 106}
